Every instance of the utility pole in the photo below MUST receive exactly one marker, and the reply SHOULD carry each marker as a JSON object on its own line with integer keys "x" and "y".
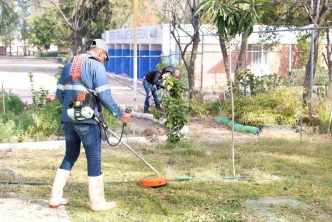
{"x": 312, "y": 55}
{"x": 135, "y": 47}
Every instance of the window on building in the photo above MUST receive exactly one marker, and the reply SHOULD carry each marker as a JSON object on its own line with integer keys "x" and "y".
{"x": 260, "y": 63}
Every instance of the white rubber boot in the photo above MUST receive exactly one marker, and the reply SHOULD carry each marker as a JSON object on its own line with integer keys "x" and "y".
{"x": 60, "y": 180}
{"x": 97, "y": 196}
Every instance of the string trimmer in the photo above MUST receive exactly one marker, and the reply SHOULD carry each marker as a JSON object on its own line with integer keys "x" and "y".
{"x": 155, "y": 180}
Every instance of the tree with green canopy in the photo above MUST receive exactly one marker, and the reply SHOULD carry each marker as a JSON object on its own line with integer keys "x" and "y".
{"x": 8, "y": 22}
{"x": 40, "y": 29}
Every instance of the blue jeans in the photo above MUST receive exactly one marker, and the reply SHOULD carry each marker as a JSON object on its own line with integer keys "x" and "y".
{"x": 150, "y": 89}
{"x": 89, "y": 135}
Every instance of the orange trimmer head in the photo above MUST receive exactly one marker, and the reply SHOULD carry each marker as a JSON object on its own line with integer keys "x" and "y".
{"x": 153, "y": 181}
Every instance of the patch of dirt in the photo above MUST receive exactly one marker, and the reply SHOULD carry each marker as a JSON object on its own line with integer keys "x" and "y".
{"x": 205, "y": 129}
{"x": 208, "y": 129}
{"x": 144, "y": 127}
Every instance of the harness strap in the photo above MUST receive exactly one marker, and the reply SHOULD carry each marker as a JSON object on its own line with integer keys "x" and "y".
{"x": 76, "y": 67}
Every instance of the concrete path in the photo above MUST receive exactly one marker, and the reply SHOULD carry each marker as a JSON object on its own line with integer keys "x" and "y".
{"x": 14, "y": 77}
{"x": 20, "y": 210}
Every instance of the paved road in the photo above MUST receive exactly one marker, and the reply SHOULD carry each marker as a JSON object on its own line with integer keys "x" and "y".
{"x": 14, "y": 77}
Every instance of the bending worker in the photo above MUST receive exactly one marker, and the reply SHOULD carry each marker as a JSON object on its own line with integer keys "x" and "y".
{"x": 151, "y": 83}
{"x": 84, "y": 81}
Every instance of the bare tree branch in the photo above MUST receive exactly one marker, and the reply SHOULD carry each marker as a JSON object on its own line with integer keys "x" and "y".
{"x": 63, "y": 15}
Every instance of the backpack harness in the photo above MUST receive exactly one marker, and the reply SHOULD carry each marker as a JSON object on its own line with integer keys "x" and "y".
{"x": 82, "y": 106}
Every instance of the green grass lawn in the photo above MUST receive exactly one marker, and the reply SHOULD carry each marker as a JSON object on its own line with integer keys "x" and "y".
{"x": 280, "y": 168}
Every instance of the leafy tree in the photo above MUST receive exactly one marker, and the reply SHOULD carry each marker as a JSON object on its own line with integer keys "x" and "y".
{"x": 317, "y": 12}
{"x": 184, "y": 12}
{"x": 301, "y": 13}
{"x": 89, "y": 18}
{"x": 40, "y": 29}
{"x": 232, "y": 18}
{"x": 8, "y": 22}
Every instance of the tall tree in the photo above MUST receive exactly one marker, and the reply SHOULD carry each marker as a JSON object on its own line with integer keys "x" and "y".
{"x": 250, "y": 11}
{"x": 232, "y": 18}
{"x": 40, "y": 30}
{"x": 317, "y": 10}
{"x": 185, "y": 12}
{"x": 76, "y": 15}
{"x": 328, "y": 54}
{"x": 8, "y": 22}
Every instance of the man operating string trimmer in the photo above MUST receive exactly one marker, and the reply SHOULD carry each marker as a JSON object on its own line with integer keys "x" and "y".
{"x": 82, "y": 89}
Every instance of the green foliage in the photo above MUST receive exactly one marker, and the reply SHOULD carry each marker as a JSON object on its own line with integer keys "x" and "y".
{"x": 7, "y": 129}
{"x": 258, "y": 84}
{"x": 297, "y": 76}
{"x": 25, "y": 123}
{"x": 40, "y": 30}
{"x": 8, "y": 20}
{"x": 234, "y": 17}
{"x": 39, "y": 123}
{"x": 13, "y": 104}
{"x": 174, "y": 109}
{"x": 214, "y": 107}
{"x": 38, "y": 96}
{"x": 49, "y": 54}
{"x": 276, "y": 107}
{"x": 323, "y": 114}
{"x": 197, "y": 106}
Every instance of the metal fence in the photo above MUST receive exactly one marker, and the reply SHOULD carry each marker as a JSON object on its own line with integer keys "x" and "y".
{"x": 284, "y": 52}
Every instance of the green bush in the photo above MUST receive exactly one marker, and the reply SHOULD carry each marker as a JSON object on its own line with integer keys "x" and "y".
{"x": 7, "y": 129}
{"x": 49, "y": 54}
{"x": 277, "y": 107}
{"x": 323, "y": 114}
{"x": 257, "y": 84}
{"x": 198, "y": 106}
{"x": 174, "y": 109}
{"x": 215, "y": 106}
{"x": 39, "y": 123}
{"x": 12, "y": 104}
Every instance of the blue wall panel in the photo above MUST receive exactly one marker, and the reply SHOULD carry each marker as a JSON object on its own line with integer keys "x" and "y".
{"x": 111, "y": 63}
{"x": 118, "y": 61}
{"x": 143, "y": 63}
{"x": 154, "y": 60}
{"x": 126, "y": 61}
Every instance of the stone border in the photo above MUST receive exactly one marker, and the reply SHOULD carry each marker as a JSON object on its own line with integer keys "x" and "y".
{"x": 61, "y": 143}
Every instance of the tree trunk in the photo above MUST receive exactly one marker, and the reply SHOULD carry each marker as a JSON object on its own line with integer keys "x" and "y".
{"x": 225, "y": 56}
{"x": 239, "y": 63}
{"x": 328, "y": 55}
{"x": 191, "y": 70}
{"x": 306, "y": 93}
{"x": 75, "y": 42}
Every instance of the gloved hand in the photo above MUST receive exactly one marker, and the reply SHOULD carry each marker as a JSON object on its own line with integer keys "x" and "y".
{"x": 160, "y": 86}
{"x": 126, "y": 115}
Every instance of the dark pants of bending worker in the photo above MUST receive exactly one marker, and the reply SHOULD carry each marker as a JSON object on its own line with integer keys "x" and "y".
{"x": 150, "y": 89}
{"x": 89, "y": 135}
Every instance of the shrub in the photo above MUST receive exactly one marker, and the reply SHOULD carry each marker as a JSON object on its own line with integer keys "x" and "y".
{"x": 174, "y": 109}
{"x": 323, "y": 114}
{"x": 215, "y": 107}
{"x": 277, "y": 107}
{"x": 7, "y": 129}
{"x": 198, "y": 107}
{"x": 256, "y": 84}
{"x": 39, "y": 123}
{"x": 13, "y": 104}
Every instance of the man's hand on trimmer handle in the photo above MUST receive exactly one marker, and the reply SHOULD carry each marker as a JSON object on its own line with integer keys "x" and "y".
{"x": 126, "y": 116}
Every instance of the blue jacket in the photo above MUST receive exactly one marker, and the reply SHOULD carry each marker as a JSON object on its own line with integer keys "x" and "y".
{"x": 95, "y": 78}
